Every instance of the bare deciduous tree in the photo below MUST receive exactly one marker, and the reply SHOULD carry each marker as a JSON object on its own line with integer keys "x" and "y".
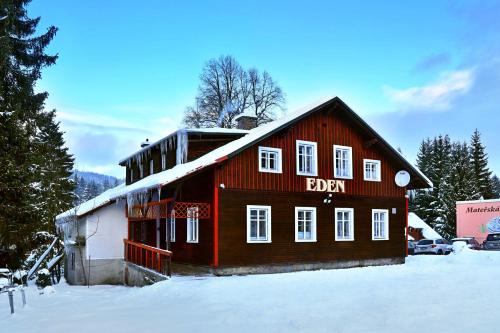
{"x": 227, "y": 90}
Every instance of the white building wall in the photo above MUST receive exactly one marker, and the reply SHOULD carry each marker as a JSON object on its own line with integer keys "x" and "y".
{"x": 105, "y": 229}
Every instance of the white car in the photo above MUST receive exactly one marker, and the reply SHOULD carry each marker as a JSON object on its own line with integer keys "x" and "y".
{"x": 433, "y": 246}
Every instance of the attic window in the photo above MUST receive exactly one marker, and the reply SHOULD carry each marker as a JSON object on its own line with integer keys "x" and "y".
{"x": 307, "y": 164}
{"x": 269, "y": 159}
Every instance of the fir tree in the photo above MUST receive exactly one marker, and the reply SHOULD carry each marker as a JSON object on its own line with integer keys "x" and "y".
{"x": 461, "y": 187}
{"x": 450, "y": 167}
{"x": 22, "y": 119}
{"x": 495, "y": 182}
{"x": 479, "y": 160}
{"x": 56, "y": 189}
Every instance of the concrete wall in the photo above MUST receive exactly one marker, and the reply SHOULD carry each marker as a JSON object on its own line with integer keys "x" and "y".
{"x": 101, "y": 271}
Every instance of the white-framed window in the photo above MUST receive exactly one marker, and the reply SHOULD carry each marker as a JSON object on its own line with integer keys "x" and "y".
{"x": 151, "y": 166}
{"x": 141, "y": 171}
{"x": 344, "y": 224}
{"x": 380, "y": 224}
{"x": 163, "y": 161}
{"x": 269, "y": 159}
{"x": 172, "y": 226}
{"x": 307, "y": 159}
{"x": 305, "y": 224}
{"x": 192, "y": 225}
{"x": 342, "y": 166}
{"x": 372, "y": 170}
{"x": 258, "y": 224}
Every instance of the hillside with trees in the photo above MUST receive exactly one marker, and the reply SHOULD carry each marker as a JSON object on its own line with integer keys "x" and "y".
{"x": 88, "y": 185}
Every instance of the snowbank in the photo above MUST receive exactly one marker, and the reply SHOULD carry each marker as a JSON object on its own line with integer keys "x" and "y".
{"x": 456, "y": 291}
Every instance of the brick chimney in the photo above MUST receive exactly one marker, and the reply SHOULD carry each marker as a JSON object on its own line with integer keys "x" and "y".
{"x": 246, "y": 121}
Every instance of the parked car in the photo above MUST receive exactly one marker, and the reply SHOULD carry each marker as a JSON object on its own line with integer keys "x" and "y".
{"x": 433, "y": 246}
{"x": 492, "y": 242}
{"x": 471, "y": 242}
{"x": 411, "y": 247}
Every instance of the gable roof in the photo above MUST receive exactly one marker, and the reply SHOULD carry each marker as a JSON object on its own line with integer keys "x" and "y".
{"x": 419, "y": 180}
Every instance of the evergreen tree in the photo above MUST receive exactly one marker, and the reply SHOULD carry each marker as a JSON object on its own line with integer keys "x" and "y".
{"x": 56, "y": 191}
{"x": 449, "y": 166}
{"x": 80, "y": 189}
{"x": 106, "y": 185}
{"x": 462, "y": 186}
{"x": 482, "y": 173}
{"x": 495, "y": 181}
{"x": 22, "y": 119}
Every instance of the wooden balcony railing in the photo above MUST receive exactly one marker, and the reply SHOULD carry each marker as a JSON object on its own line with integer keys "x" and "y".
{"x": 147, "y": 256}
{"x": 149, "y": 211}
{"x": 158, "y": 209}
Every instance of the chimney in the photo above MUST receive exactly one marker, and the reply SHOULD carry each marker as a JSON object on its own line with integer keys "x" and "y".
{"x": 246, "y": 121}
{"x": 145, "y": 143}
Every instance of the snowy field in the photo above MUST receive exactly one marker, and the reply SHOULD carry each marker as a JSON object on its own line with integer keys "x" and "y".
{"x": 455, "y": 293}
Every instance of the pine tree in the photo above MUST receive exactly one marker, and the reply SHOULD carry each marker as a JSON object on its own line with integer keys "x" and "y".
{"x": 22, "y": 119}
{"x": 479, "y": 160}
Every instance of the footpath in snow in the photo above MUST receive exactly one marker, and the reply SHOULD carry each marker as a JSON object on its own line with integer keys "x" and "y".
{"x": 454, "y": 293}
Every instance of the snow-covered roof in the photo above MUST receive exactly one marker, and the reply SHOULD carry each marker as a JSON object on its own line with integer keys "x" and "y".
{"x": 223, "y": 152}
{"x": 416, "y": 222}
{"x": 478, "y": 201}
{"x": 213, "y": 130}
{"x": 218, "y": 155}
{"x": 101, "y": 200}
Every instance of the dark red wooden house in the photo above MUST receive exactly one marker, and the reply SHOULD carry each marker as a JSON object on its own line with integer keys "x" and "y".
{"x": 315, "y": 189}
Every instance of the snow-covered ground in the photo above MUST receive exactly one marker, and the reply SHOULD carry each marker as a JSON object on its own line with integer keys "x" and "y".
{"x": 455, "y": 293}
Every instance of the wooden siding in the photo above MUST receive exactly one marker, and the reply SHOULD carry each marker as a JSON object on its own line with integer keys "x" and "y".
{"x": 327, "y": 128}
{"x": 199, "y": 144}
{"x": 196, "y": 189}
{"x": 235, "y": 251}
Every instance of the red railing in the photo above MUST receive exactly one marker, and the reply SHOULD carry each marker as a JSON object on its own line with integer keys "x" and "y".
{"x": 158, "y": 209}
{"x": 149, "y": 211}
{"x": 148, "y": 256}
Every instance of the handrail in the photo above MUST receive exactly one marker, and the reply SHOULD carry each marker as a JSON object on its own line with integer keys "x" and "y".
{"x": 148, "y": 256}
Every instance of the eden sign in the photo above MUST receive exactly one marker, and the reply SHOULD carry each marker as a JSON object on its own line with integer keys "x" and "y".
{"x": 325, "y": 185}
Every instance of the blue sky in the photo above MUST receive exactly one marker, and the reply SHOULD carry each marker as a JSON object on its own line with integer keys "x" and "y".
{"x": 127, "y": 70}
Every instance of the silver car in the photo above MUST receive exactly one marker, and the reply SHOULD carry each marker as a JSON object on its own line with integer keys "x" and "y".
{"x": 433, "y": 246}
{"x": 492, "y": 242}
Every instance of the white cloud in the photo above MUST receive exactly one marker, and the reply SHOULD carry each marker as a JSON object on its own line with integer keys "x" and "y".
{"x": 98, "y": 141}
{"x": 438, "y": 95}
